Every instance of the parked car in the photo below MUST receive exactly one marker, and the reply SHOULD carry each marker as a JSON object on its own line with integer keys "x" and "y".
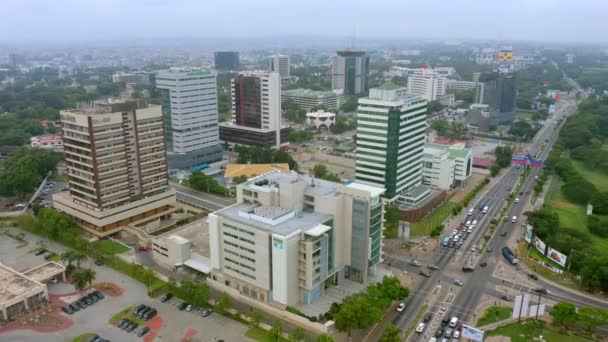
{"x": 427, "y": 317}
{"x": 138, "y": 308}
{"x": 95, "y": 338}
{"x": 401, "y": 307}
{"x": 439, "y": 332}
{"x": 483, "y": 264}
{"x": 456, "y": 335}
{"x": 503, "y": 233}
{"x": 445, "y": 321}
{"x": 189, "y": 307}
{"x": 99, "y": 295}
{"x": 505, "y": 297}
{"x": 98, "y": 262}
{"x": 166, "y": 297}
{"x": 183, "y": 306}
{"x": 121, "y": 322}
{"x": 532, "y": 276}
{"x": 66, "y": 309}
{"x": 125, "y": 324}
{"x": 458, "y": 282}
{"x": 82, "y": 303}
{"x": 420, "y": 328}
{"x": 541, "y": 290}
{"x": 74, "y": 307}
{"x": 142, "y": 313}
{"x": 424, "y": 273}
{"x": 149, "y": 314}
{"x": 143, "y": 331}
{"x": 132, "y": 326}
{"x": 206, "y": 312}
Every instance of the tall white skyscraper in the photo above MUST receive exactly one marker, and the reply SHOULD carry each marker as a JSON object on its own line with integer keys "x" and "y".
{"x": 191, "y": 116}
{"x": 427, "y": 83}
{"x": 280, "y": 64}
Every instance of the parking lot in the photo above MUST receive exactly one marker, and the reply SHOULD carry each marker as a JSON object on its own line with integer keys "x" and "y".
{"x": 173, "y": 324}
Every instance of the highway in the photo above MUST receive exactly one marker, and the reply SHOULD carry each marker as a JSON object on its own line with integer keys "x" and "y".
{"x": 463, "y": 300}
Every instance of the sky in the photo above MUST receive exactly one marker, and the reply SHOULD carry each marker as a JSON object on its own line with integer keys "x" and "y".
{"x": 82, "y": 20}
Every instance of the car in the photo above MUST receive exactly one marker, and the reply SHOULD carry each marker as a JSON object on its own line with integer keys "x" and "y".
{"x": 149, "y": 314}
{"x": 143, "y": 331}
{"x": 469, "y": 230}
{"x": 503, "y": 233}
{"x": 189, "y": 307}
{"x": 65, "y": 188}
{"x": 424, "y": 273}
{"x": 489, "y": 250}
{"x": 514, "y": 219}
{"x": 468, "y": 223}
{"x": 98, "y": 262}
{"x": 454, "y": 322}
{"x": 206, "y": 312}
{"x": 182, "y": 306}
{"x": 458, "y": 282}
{"x": 467, "y": 269}
{"x": 94, "y": 338}
{"x": 121, "y": 322}
{"x": 427, "y": 317}
{"x": 67, "y": 309}
{"x": 445, "y": 321}
{"x": 83, "y": 304}
{"x": 532, "y": 276}
{"x": 516, "y": 199}
{"x": 124, "y": 325}
{"x": 433, "y": 339}
{"x": 485, "y": 210}
{"x": 448, "y": 333}
{"x": 457, "y": 246}
{"x": 99, "y": 295}
{"x": 93, "y": 297}
{"x": 461, "y": 241}
{"x": 456, "y": 335}
{"x": 415, "y": 263}
{"x": 88, "y": 300}
{"x": 74, "y": 307}
{"x": 40, "y": 252}
{"x": 541, "y": 290}
{"x": 432, "y": 267}
{"x": 401, "y": 307}
{"x": 474, "y": 223}
{"x": 505, "y": 297}
{"x": 166, "y": 297}
{"x": 474, "y": 248}
{"x": 138, "y": 308}
{"x": 142, "y": 313}
{"x": 470, "y": 212}
{"x": 132, "y": 326}
{"x": 439, "y": 333}
{"x": 451, "y": 244}
{"x": 420, "y": 328}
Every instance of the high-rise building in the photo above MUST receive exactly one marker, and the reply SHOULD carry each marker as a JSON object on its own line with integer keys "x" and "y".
{"x": 140, "y": 78}
{"x": 290, "y": 237}
{"x": 191, "y": 116}
{"x": 427, "y": 83}
{"x": 498, "y": 91}
{"x": 256, "y": 111}
{"x": 117, "y": 165}
{"x": 226, "y": 60}
{"x": 280, "y": 64}
{"x": 350, "y": 71}
{"x": 390, "y": 140}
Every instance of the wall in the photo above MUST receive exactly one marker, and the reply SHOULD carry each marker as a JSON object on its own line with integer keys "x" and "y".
{"x": 416, "y": 214}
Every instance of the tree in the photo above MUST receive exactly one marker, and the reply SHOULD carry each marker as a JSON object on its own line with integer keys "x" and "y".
{"x": 545, "y": 222}
{"x": 522, "y": 129}
{"x": 68, "y": 257}
{"x": 79, "y": 258}
{"x": 434, "y": 106}
{"x": 324, "y": 338}
{"x": 391, "y": 334}
{"x": 80, "y": 281}
{"x": 255, "y": 318}
{"x": 350, "y": 104}
{"x": 277, "y": 329}
{"x": 356, "y": 312}
{"x": 441, "y": 126}
{"x": 592, "y": 317}
{"x": 297, "y": 335}
{"x": 579, "y": 190}
{"x": 89, "y": 276}
{"x": 202, "y": 182}
{"x": 563, "y": 313}
{"x": 319, "y": 170}
{"x": 457, "y": 130}
{"x": 504, "y": 154}
{"x": 223, "y": 303}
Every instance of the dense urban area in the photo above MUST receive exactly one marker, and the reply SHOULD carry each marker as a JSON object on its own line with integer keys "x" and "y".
{"x": 415, "y": 190}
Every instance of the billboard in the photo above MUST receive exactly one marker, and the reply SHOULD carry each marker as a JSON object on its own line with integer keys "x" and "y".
{"x": 526, "y": 160}
{"x": 556, "y": 256}
{"x": 521, "y": 306}
{"x": 540, "y": 245}
{"x": 471, "y": 333}
{"x": 528, "y": 233}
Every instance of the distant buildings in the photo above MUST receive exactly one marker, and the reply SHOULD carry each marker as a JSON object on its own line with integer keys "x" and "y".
{"x": 505, "y": 55}
{"x": 49, "y": 141}
{"x": 390, "y": 141}
{"x": 290, "y": 237}
{"x": 320, "y": 121}
{"x": 256, "y": 111}
{"x": 311, "y": 99}
{"x": 140, "y": 78}
{"x": 569, "y": 58}
{"x": 226, "y": 60}
{"x": 350, "y": 71}
{"x": 445, "y": 166}
{"x": 280, "y": 63}
{"x": 498, "y": 91}
{"x": 460, "y": 85}
{"x": 427, "y": 83}
{"x": 16, "y": 60}
{"x": 117, "y": 167}
{"x": 191, "y": 116}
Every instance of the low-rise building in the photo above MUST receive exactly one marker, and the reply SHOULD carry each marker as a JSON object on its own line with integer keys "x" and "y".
{"x": 445, "y": 166}
{"x": 310, "y": 99}
{"x": 320, "y": 121}
{"x": 50, "y": 141}
{"x": 172, "y": 250}
{"x": 461, "y": 85}
{"x": 291, "y": 236}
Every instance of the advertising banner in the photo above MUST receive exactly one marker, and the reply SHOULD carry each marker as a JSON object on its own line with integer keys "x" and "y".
{"x": 528, "y": 234}
{"x": 556, "y": 256}
{"x": 472, "y": 333}
{"x": 540, "y": 245}
{"x": 525, "y": 160}
{"x": 516, "y": 306}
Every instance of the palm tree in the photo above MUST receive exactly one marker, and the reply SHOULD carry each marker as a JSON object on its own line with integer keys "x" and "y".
{"x": 89, "y": 275}
{"x": 79, "y": 280}
{"x": 79, "y": 258}
{"x": 68, "y": 257}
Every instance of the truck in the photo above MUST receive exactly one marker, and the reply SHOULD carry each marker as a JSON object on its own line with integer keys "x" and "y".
{"x": 508, "y": 254}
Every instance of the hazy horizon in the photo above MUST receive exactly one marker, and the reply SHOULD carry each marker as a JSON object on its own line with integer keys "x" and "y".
{"x": 123, "y": 20}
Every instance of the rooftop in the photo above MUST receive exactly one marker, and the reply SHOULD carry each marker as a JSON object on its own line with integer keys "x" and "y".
{"x": 14, "y": 284}
{"x": 309, "y": 92}
{"x": 45, "y": 271}
{"x": 389, "y": 85}
{"x": 251, "y": 170}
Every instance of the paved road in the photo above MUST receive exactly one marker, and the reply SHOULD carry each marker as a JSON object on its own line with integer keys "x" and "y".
{"x": 211, "y": 202}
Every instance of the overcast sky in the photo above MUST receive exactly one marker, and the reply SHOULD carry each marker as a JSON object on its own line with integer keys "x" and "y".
{"x": 66, "y": 20}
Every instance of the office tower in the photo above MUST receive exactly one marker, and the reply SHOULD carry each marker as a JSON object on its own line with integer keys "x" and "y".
{"x": 290, "y": 237}
{"x": 256, "y": 111}
{"x": 280, "y": 64}
{"x": 191, "y": 116}
{"x": 427, "y": 83}
{"x": 350, "y": 71}
{"x": 226, "y": 60}
{"x": 390, "y": 140}
{"x": 498, "y": 91}
{"x": 116, "y": 163}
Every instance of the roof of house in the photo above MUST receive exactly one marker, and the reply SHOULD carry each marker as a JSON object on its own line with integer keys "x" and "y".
{"x": 250, "y": 170}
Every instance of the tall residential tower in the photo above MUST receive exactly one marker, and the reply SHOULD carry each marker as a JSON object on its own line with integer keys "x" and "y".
{"x": 280, "y": 64}
{"x": 350, "y": 71}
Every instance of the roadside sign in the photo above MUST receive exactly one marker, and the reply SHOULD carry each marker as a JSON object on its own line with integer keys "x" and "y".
{"x": 472, "y": 333}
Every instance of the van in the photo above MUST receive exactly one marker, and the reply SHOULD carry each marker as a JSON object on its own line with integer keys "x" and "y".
{"x": 446, "y": 241}
{"x": 454, "y": 322}
{"x": 485, "y": 210}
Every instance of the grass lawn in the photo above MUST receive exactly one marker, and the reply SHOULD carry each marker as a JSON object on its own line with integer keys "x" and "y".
{"x": 119, "y": 314}
{"x": 531, "y": 330}
{"x": 82, "y": 338}
{"x": 111, "y": 247}
{"x": 523, "y": 115}
{"x": 435, "y": 218}
{"x": 261, "y": 335}
{"x": 494, "y": 314}
{"x": 599, "y": 179}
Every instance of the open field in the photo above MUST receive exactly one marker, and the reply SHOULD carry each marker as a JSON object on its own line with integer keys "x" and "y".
{"x": 599, "y": 179}
{"x": 531, "y": 330}
{"x": 435, "y": 218}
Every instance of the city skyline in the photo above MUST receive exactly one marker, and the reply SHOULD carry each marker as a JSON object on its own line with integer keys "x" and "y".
{"x": 37, "y": 20}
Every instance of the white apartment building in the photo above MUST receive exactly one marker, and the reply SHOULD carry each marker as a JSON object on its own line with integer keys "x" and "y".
{"x": 191, "y": 116}
{"x": 291, "y": 236}
{"x": 256, "y": 110}
{"x": 427, "y": 83}
{"x": 446, "y": 166}
{"x": 117, "y": 167}
{"x": 391, "y": 129}
{"x": 308, "y": 99}
{"x": 281, "y": 64}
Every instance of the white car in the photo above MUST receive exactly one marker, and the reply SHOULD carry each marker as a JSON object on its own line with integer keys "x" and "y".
{"x": 514, "y": 219}
{"x": 474, "y": 223}
{"x": 456, "y": 335}
{"x": 420, "y": 328}
{"x": 516, "y": 199}
{"x": 470, "y": 212}
{"x": 401, "y": 307}
{"x": 468, "y": 223}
